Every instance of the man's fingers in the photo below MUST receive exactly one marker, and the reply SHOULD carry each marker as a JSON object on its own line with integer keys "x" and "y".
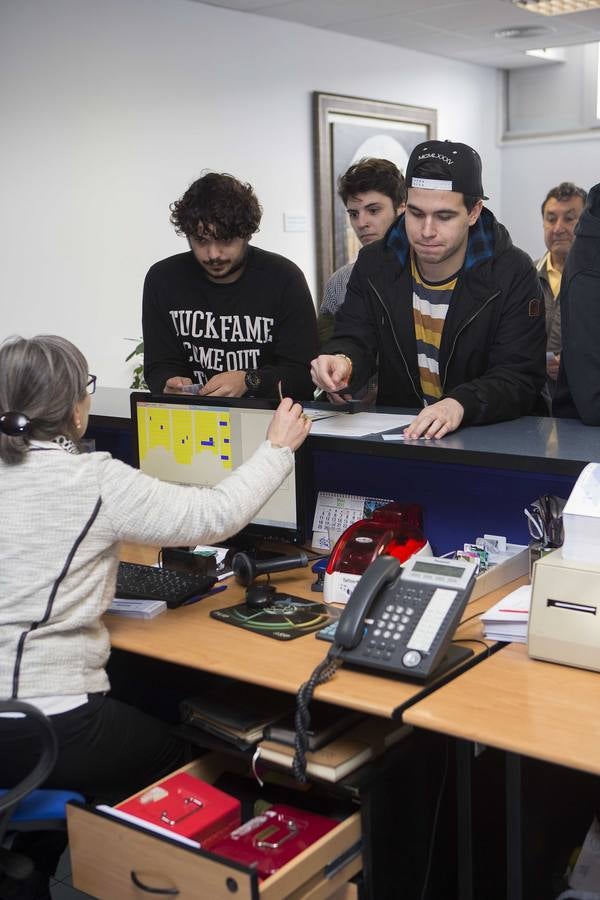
{"x": 428, "y": 427}
{"x": 438, "y": 429}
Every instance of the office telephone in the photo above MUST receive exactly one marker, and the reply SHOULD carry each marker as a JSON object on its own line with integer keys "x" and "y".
{"x": 401, "y": 619}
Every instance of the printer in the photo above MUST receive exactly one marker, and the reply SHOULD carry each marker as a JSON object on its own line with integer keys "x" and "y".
{"x": 564, "y": 619}
{"x": 394, "y": 529}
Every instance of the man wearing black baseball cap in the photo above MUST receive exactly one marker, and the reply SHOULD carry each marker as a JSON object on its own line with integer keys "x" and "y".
{"x": 445, "y": 308}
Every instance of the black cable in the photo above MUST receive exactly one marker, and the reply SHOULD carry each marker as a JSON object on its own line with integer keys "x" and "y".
{"x": 473, "y": 641}
{"x": 435, "y": 823}
{"x": 464, "y": 621}
{"x": 323, "y": 672}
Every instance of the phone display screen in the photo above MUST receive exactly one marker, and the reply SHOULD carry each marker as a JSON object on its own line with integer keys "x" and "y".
{"x": 439, "y": 569}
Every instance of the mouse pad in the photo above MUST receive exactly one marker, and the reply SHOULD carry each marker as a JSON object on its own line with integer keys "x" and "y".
{"x": 286, "y": 618}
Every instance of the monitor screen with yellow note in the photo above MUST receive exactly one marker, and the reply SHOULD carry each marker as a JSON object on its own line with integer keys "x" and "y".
{"x": 200, "y": 440}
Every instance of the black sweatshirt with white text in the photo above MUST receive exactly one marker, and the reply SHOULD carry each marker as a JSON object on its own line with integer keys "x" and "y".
{"x": 196, "y": 328}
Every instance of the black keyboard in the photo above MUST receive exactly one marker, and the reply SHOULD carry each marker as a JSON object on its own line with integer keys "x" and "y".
{"x": 135, "y": 582}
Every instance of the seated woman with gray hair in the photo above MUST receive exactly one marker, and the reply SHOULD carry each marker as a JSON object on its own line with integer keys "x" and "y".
{"x": 63, "y": 515}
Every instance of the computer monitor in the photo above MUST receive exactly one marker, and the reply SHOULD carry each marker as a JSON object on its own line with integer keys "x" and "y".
{"x": 186, "y": 439}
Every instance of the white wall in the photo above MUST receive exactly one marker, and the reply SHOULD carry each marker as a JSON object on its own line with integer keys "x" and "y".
{"x": 548, "y": 100}
{"x": 110, "y": 109}
{"x": 529, "y": 170}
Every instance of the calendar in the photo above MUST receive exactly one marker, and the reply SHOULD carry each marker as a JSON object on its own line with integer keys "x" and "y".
{"x": 336, "y": 512}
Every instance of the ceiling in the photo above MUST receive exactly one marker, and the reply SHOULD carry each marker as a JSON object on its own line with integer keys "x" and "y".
{"x": 460, "y": 29}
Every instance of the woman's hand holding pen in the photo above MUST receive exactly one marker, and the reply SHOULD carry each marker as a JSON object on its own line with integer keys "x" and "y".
{"x": 289, "y": 426}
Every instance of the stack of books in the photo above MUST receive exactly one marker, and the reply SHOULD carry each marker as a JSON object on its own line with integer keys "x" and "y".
{"x": 326, "y": 722}
{"x": 238, "y": 720}
{"x": 508, "y": 620}
{"x": 344, "y": 754}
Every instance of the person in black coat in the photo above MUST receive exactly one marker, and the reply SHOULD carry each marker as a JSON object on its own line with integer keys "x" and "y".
{"x": 578, "y": 387}
{"x": 445, "y": 308}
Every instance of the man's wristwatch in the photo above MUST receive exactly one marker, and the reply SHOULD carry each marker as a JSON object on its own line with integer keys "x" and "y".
{"x": 253, "y": 380}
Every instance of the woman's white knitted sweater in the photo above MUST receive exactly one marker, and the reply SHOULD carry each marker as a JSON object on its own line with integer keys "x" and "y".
{"x": 61, "y": 518}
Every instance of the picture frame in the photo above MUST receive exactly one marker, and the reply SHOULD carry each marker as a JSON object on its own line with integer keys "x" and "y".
{"x": 347, "y": 129}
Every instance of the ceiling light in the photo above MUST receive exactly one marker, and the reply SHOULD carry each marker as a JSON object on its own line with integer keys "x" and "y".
{"x": 522, "y": 31}
{"x": 550, "y": 54}
{"x": 556, "y": 7}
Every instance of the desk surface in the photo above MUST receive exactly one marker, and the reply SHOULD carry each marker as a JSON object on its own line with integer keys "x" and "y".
{"x": 530, "y": 444}
{"x": 562, "y": 446}
{"x": 520, "y": 705}
{"x": 190, "y": 637}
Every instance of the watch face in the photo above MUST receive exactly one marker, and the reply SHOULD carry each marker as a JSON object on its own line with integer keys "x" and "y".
{"x": 252, "y": 380}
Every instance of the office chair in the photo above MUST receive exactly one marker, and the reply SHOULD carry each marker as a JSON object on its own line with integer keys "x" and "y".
{"x": 22, "y": 807}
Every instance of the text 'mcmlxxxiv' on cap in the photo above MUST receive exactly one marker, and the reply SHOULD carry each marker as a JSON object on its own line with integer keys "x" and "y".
{"x": 460, "y": 162}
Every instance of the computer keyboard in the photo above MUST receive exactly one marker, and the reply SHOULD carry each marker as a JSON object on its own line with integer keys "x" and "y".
{"x": 149, "y": 583}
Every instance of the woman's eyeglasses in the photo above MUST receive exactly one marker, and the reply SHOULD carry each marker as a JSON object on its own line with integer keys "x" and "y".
{"x": 91, "y": 384}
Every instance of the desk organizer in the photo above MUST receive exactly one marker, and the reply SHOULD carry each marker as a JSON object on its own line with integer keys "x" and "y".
{"x": 515, "y": 565}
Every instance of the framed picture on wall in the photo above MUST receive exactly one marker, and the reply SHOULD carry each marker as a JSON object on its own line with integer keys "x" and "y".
{"x": 346, "y": 130}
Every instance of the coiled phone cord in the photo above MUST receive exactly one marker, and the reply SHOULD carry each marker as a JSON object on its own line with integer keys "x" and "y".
{"x": 323, "y": 673}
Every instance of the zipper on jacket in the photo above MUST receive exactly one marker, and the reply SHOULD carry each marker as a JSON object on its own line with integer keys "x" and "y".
{"x": 460, "y": 331}
{"x": 396, "y": 341}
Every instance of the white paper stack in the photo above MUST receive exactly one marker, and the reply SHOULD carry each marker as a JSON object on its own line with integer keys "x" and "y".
{"x": 581, "y": 517}
{"x": 508, "y": 619}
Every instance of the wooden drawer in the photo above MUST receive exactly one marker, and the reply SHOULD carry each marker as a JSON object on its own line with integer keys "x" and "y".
{"x": 109, "y": 856}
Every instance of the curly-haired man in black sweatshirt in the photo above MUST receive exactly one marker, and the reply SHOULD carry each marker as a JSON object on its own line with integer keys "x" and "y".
{"x": 228, "y": 317}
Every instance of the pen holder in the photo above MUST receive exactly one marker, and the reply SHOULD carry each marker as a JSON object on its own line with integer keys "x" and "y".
{"x": 536, "y": 551}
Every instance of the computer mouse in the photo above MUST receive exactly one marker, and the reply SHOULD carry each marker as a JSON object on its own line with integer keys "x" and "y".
{"x": 260, "y": 595}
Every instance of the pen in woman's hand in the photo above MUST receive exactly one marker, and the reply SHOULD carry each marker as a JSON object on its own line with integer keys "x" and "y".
{"x": 304, "y": 416}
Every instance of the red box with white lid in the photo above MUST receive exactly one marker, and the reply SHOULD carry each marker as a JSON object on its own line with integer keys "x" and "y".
{"x": 187, "y": 806}
{"x": 273, "y": 838}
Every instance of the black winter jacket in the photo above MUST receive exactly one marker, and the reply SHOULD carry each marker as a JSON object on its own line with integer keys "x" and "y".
{"x": 578, "y": 386}
{"x": 492, "y": 355}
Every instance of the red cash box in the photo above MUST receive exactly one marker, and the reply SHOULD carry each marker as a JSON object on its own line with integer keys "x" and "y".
{"x": 272, "y": 839}
{"x": 187, "y": 806}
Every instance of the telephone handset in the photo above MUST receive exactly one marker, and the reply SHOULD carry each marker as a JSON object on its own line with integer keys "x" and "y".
{"x": 401, "y": 619}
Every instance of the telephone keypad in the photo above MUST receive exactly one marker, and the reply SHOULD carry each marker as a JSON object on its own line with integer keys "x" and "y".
{"x": 392, "y": 622}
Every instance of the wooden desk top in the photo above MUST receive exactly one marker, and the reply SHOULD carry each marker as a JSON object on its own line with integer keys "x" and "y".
{"x": 190, "y": 637}
{"x": 521, "y": 705}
